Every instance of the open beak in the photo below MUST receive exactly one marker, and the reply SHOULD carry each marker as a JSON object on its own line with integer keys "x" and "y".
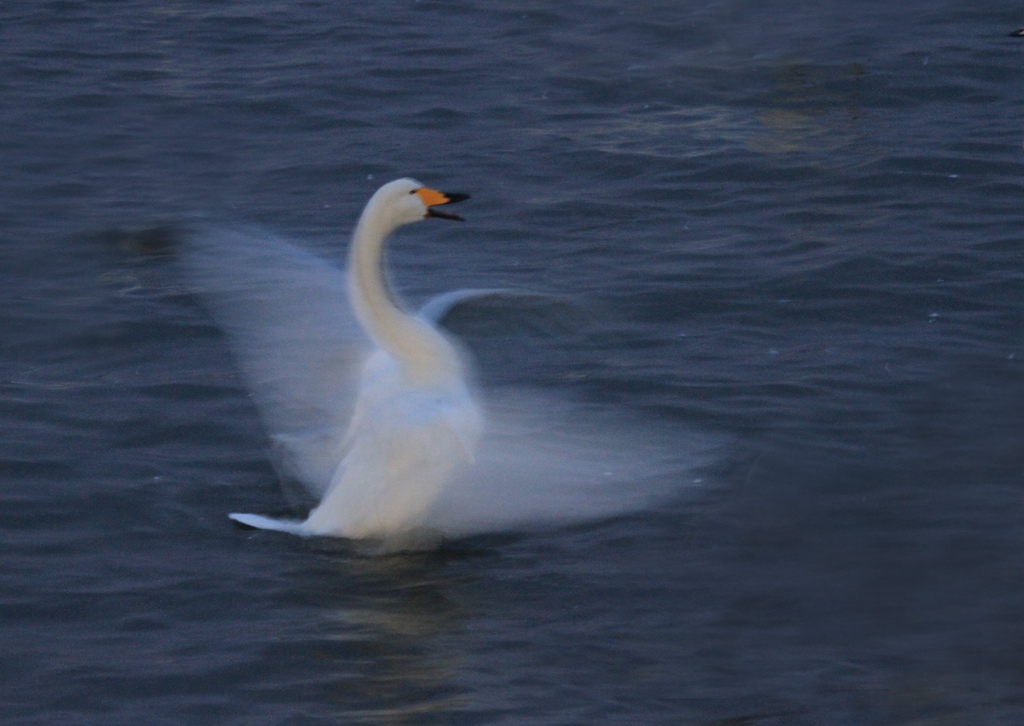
{"x": 433, "y": 198}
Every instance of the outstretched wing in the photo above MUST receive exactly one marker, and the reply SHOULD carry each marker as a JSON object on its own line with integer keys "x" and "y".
{"x": 503, "y": 311}
{"x": 293, "y": 336}
{"x": 547, "y": 460}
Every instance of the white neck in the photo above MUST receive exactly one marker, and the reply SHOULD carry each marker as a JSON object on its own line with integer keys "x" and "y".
{"x": 422, "y": 352}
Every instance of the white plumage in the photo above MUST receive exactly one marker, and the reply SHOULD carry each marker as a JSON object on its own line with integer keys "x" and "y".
{"x": 372, "y": 409}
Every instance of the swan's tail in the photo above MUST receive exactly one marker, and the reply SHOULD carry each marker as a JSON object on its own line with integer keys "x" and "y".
{"x": 257, "y": 521}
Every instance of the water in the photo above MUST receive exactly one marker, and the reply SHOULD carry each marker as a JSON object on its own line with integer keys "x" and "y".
{"x": 797, "y": 227}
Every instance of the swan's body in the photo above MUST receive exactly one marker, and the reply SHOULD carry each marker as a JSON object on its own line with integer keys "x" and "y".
{"x": 414, "y": 422}
{"x": 371, "y": 408}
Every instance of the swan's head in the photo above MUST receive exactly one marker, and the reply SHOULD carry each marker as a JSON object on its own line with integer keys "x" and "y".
{"x": 406, "y": 200}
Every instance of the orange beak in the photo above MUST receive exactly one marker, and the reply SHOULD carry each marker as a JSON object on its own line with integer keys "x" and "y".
{"x": 432, "y": 198}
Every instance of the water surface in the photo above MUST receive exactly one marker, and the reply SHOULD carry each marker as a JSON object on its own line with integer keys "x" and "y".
{"x": 796, "y": 227}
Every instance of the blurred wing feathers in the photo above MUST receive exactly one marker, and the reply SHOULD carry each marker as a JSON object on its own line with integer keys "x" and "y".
{"x": 494, "y": 312}
{"x": 288, "y": 321}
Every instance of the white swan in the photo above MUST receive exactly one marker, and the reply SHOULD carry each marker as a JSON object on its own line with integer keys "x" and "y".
{"x": 414, "y": 423}
{"x": 372, "y": 410}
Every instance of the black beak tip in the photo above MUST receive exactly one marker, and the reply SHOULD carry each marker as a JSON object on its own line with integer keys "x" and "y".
{"x": 451, "y": 198}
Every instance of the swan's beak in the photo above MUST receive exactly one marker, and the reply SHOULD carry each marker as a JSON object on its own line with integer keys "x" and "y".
{"x": 432, "y": 198}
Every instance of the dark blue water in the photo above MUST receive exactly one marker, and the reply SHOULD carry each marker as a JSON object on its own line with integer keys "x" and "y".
{"x": 797, "y": 227}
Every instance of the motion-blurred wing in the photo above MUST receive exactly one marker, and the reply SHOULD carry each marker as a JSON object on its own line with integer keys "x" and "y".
{"x": 545, "y": 460}
{"x": 502, "y": 311}
{"x": 293, "y": 335}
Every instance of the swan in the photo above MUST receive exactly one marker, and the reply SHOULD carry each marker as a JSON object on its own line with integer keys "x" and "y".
{"x": 374, "y": 410}
{"x": 415, "y": 421}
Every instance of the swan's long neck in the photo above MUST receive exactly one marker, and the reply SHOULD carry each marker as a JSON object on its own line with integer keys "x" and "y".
{"x": 419, "y": 349}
